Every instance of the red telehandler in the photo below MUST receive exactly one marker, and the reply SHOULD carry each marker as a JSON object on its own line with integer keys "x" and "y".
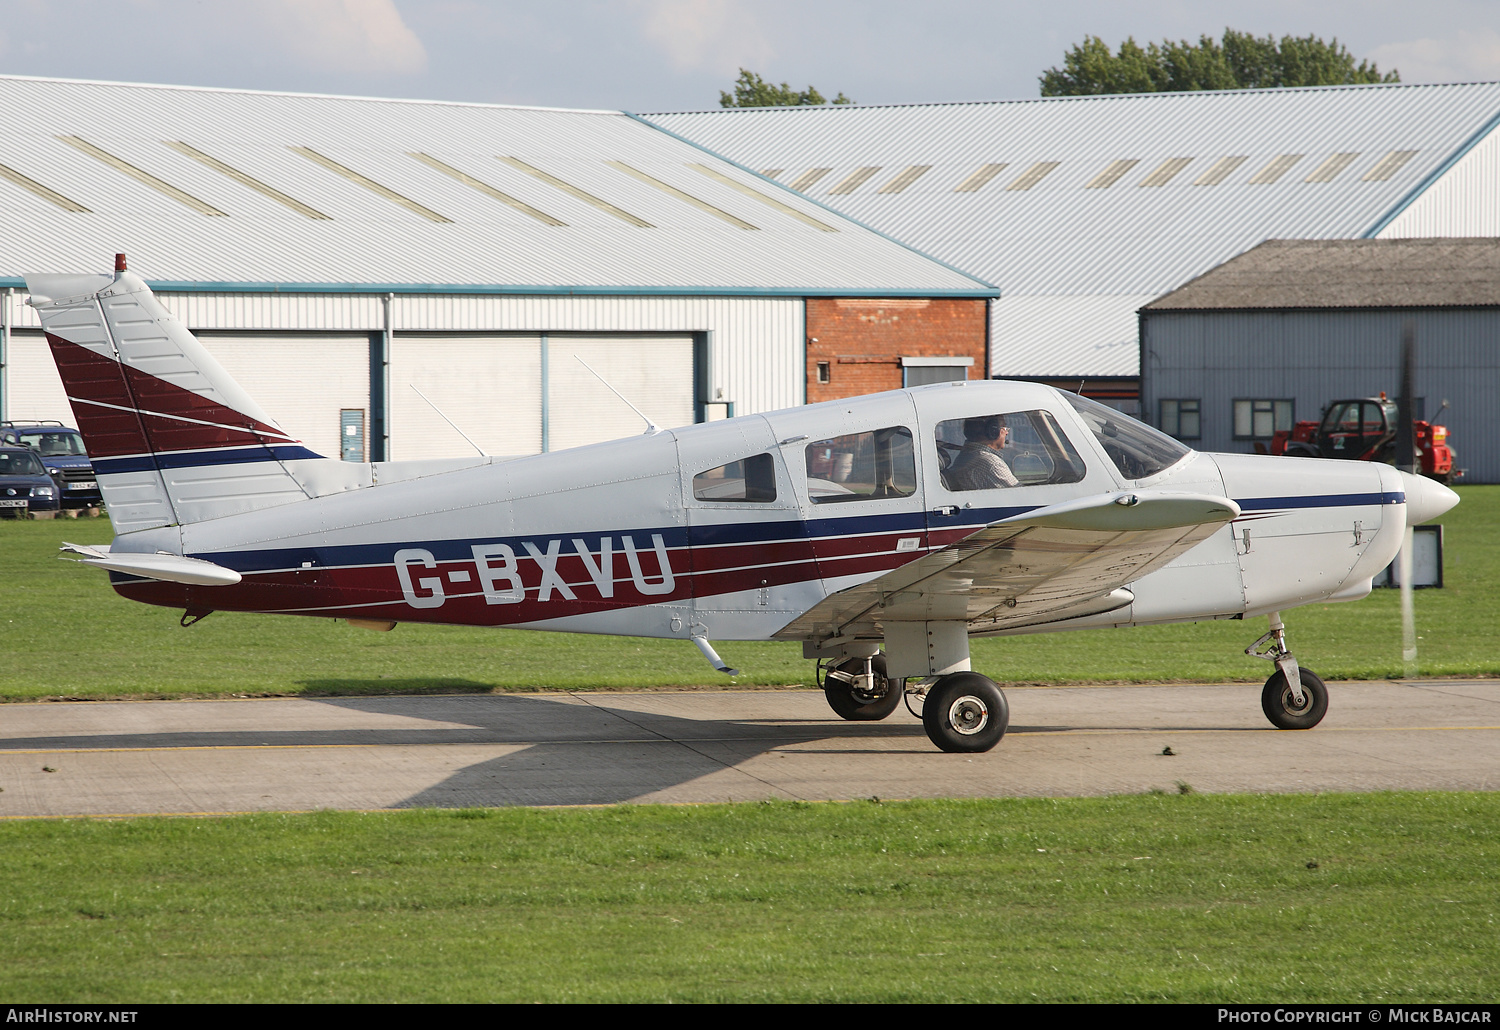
{"x": 1365, "y": 429}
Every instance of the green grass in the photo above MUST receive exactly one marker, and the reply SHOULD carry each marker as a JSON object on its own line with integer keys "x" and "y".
{"x": 64, "y": 633}
{"x": 1193, "y": 898}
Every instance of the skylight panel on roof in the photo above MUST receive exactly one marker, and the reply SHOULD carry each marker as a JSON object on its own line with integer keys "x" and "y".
{"x": 807, "y": 178}
{"x": 486, "y": 189}
{"x": 771, "y": 173}
{"x": 1389, "y": 165}
{"x": 1220, "y": 170}
{"x": 143, "y": 177}
{"x": 1275, "y": 170}
{"x": 984, "y": 174}
{"x": 855, "y": 179}
{"x": 1107, "y": 178}
{"x": 245, "y": 180}
{"x": 51, "y": 196}
{"x": 574, "y": 191}
{"x": 1330, "y": 168}
{"x": 1166, "y": 171}
{"x": 905, "y": 179}
{"x": 369, "y": 184}
{"x": 755, "y": 194}
{"x": 686, "y": 198}
{"x": 1033, "y": 175}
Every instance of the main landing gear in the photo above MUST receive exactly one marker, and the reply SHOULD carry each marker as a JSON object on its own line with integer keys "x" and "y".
{"x": 962, "y": 712}
{"x": 858, "y": 689}
{"x": 965, "y": 712}
{"x": 1293, "y": 698}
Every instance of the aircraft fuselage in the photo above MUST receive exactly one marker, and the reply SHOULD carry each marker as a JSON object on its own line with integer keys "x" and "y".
{"x": 623, "y": 537}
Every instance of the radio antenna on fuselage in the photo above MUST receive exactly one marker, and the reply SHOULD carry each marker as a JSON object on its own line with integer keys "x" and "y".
{"x": 651, "y": 427}
{"x": 448, "y": 420}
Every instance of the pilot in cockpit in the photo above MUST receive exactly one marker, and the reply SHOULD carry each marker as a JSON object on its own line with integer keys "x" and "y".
{"x": 979, "y": 465}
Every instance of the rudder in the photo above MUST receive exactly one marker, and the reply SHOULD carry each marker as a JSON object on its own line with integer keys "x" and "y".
{"x": 173, "y": 438}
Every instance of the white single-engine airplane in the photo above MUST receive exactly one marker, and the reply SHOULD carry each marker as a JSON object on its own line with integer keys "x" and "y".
{"x": 909, "y": 521}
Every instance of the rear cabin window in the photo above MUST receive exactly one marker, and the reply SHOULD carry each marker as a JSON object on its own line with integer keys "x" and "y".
{"x": 749, "y": 479}
{"x": 1017, "y": 448}
{"x": 862, "y": 466}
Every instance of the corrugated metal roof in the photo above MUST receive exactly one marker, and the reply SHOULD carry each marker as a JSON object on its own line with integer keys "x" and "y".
{"x": 1065, "y": 336}
{"x": 1058, "y": 238}
{"x": 222, "y": 187}
{"x": 1408, "y": 273}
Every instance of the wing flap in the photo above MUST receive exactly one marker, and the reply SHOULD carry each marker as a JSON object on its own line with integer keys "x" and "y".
{"x": 1049, "y": 564}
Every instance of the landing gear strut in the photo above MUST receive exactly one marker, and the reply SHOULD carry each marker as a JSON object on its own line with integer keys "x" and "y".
{"x": 1293, "y": 698}
{"x": 858, "y": 689}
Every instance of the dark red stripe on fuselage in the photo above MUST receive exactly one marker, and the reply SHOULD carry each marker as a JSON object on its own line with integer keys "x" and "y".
{"x": 376, "y": 592}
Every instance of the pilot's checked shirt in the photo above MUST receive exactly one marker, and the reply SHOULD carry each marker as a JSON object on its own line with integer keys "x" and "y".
{"x": 978, "y": 467}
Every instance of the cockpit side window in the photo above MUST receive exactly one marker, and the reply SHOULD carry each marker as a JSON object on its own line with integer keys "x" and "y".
{"x": 749, "y": 479}
{"x": 862, "y": 466}
{"x": 1017, "y": 448}
{"x": 1136, "y": 449}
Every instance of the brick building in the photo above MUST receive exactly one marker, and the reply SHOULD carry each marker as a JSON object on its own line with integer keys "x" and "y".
{"x": 865, "y": 345}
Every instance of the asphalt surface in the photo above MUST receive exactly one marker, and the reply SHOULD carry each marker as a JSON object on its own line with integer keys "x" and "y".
{"x": 123, "y": 758}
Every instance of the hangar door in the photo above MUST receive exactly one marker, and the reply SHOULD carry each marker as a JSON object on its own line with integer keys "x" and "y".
{"x": 515, "y": 395}
{"x": 33, "y": 389}
{"x": 302, "y": 380}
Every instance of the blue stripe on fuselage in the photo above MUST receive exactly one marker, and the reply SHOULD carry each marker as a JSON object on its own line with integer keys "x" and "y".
{"x": 1321, "y": 501}
{"x": 676, "y": 537}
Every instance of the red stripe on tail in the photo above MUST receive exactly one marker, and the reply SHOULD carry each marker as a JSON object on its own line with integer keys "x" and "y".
{"x": 108, "y": 432}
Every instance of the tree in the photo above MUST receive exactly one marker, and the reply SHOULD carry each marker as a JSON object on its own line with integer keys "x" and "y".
{"x": 1239, "y": 61}
{"x": 750, "y": 90}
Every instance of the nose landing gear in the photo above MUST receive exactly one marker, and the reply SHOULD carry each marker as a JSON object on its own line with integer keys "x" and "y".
{"x": 1293, "y": 698}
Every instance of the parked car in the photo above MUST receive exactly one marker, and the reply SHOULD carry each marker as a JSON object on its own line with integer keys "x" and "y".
{"x": 61, "y": 449}
{"x": 25, "y": 486}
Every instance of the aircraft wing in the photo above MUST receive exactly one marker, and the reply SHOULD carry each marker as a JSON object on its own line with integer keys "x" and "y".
{"x": 1049, "y": 564}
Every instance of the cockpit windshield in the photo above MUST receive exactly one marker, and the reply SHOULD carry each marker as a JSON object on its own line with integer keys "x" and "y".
{"x": 1136, "y": 449}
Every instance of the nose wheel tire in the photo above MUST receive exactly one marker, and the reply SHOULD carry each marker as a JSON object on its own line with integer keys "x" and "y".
{"x": 965, "y": 712}
{"x": 862, "y": 703}
{"x": 1282, "y": 709}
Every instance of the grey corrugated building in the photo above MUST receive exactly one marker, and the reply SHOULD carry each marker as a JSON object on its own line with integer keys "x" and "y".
{"x": 333, "y": 252}
{"x": 1273, "y": 335}
{"x": 1083, "y": 209}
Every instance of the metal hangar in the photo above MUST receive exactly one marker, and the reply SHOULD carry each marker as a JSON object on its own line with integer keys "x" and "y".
{"x": 1084, "y": 209}
{"x": 390, "y": 277}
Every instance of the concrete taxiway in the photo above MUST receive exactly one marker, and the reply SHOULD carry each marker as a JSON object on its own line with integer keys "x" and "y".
{"x": 285, "y": 754}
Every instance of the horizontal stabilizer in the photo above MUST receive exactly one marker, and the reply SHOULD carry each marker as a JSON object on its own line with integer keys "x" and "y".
{"x": 172, "y": 568}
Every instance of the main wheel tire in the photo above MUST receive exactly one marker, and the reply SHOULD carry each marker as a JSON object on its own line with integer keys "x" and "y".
{"x": 965, "y": 712}
{"x": 870, "y": 705}
{"x": 1276, "y": 701}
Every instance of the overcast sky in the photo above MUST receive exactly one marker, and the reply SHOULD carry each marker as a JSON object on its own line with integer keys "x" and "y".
{"x": 657, "y": 55}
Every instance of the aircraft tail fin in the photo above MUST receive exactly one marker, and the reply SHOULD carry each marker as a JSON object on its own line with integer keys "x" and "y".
{"x": 173, "y": 438}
